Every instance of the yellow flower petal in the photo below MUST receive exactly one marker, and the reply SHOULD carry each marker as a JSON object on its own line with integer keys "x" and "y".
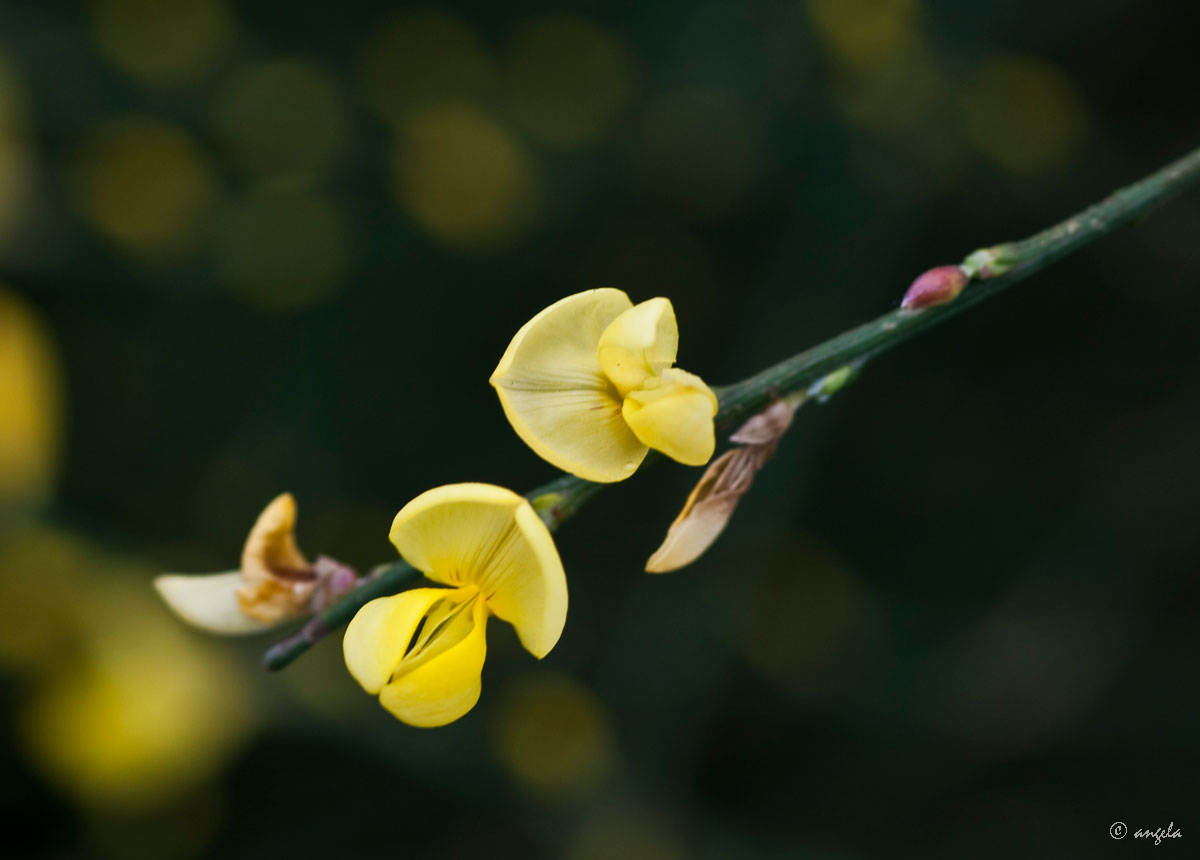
{"x": 378, "y": 636}
{"x": 580, "y": 432}
{"x": 557, "y": 397}
{"x": 444, "y": 683}
{"x": 531, "y": 594}
{"x": 422, "y": 651}
{"x": 208, "y": 601}
{"x": 561, "y": 340}
{"x": 639, "y": 344}
{"x": 487, "y": 536}
{"x": 674, "y": 414}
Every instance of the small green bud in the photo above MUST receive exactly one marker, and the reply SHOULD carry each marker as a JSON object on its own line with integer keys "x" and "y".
{"x": 832, "y": 383}
{"x": 989, "y": 262}
{"x": 546, "y": 506}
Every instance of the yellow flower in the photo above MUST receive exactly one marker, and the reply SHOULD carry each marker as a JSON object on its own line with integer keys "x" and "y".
{"x": 421, "y": 651}
{"x": 589, "y": 385}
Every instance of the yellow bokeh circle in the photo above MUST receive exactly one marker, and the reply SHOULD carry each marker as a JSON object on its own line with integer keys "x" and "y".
{"x": 30, "y": 405}
{"x": 553, "y": 734}
{"x": 1023, "y": 113}
{"x": 461, "y": 176}
{"x": 145, "y": 185}
{"x": 566, "y": 79}
{"x": 162, "y": 41}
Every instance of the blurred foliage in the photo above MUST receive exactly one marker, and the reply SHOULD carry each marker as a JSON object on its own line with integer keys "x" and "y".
{"x": 249, "y": 246}
{"x": 143, "y": 185}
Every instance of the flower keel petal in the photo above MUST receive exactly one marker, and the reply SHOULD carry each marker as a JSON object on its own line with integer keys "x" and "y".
{"x": 675, "y": 417}
{"x": 440, "y": 690}
{"x": 640, "y": 343}
{"x": 378, "y": 636}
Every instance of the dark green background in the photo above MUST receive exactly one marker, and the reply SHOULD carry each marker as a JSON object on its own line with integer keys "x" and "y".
{"x": 974, "y": 572}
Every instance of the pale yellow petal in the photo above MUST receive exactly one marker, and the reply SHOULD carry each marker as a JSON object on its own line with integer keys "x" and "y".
{"x": 581, "y": 432}
{"x": 208, "y": 601}
{"x": 674, "y": 415}
{"x": 530, "y": 587}
{"x": 487, "y": 536}
{"x": 449, "y": 533}
{"x": 640, "y": 343}
{"x": 561, "y": 341}
{"x": 378, "y": 636}
{"x": 442, "y": 688}
{"x": 557, "y": 397}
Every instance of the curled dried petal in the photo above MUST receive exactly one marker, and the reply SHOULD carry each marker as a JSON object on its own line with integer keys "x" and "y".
{"x": 277, "y": 580}
{"x": 714, "y": 499}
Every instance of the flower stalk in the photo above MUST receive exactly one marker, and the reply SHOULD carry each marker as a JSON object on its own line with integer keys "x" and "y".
{"x": 990, "y": 271}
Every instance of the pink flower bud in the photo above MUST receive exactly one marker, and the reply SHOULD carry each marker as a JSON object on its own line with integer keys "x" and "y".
{"x": 935, "y": 287}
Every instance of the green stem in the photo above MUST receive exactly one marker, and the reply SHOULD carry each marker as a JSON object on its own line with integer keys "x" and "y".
{"x": 991, "y": 271}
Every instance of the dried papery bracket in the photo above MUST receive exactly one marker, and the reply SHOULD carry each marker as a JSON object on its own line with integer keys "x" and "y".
{"x": 715, "y": 498}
